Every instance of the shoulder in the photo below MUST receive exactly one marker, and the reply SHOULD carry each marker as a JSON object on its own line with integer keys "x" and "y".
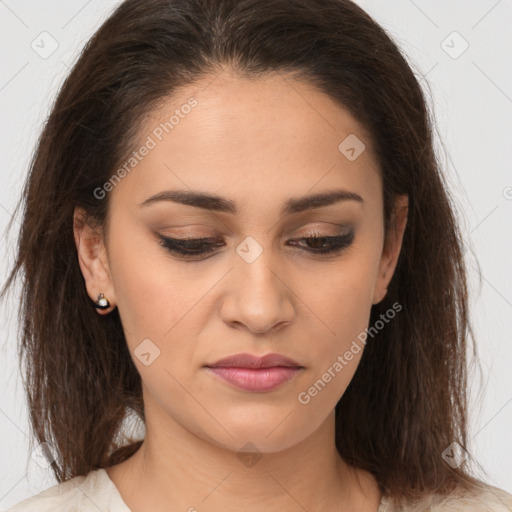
{"x": 486, "y": 498}
{"x": 79, "y": 494}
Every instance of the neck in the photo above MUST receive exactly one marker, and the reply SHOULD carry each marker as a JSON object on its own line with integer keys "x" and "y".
{"x": 175, "y": 469}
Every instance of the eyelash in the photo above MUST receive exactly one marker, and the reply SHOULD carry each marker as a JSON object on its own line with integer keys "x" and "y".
{"x": 176, "y": 245}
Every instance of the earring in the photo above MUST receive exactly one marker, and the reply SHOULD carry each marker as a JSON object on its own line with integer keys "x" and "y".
{"x": 102, "y": 302}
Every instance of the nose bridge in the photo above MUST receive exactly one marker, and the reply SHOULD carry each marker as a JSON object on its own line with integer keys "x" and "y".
{"x": 254, "y": 264}
{"x": 257, "y": 296}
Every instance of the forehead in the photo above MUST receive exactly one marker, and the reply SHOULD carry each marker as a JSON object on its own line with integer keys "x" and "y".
{"x": 270, "y": 137}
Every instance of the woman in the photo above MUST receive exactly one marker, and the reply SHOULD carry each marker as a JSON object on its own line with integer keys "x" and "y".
{"x": 236, "y": 228}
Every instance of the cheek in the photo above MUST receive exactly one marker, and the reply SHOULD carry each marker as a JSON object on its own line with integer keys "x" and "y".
{"x": 162, "y": 308}
{"x": 341, "y": 302}
{"x": 341, "y": 297}
{"x": 152, "y": 292}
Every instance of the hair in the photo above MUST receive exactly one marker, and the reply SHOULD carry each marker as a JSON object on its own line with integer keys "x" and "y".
{"x": 407, "y": 401}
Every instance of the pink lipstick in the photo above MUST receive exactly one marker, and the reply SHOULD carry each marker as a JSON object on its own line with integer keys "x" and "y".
{"x": 253, "y": 373}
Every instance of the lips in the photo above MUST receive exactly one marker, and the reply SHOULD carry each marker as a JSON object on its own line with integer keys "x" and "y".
{"x": 253, "y": 373}
{"x": 251, "y": 361}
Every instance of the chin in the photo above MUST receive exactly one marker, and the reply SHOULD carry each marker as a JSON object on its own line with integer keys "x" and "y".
{"x": 254, "y": 439}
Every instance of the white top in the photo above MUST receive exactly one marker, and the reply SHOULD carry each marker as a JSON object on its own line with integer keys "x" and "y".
{"x": 97, "y": 492}
{"x": 92, "y": 493}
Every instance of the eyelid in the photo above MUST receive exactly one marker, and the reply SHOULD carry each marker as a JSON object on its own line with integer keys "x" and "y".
{"x": 185, "y": 231}
{"x": 182, "y": 246}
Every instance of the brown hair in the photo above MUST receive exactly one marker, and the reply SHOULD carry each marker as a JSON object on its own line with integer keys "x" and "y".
{"x": 407, "y": 401}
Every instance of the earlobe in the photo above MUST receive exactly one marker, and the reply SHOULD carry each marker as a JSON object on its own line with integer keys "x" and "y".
{"x": 392, "y": 248}
{"x": 93, "y": 262}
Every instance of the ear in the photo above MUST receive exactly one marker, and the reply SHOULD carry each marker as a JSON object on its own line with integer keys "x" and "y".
{"x": 93, "y": 260}
{"x": 392, "y": 246}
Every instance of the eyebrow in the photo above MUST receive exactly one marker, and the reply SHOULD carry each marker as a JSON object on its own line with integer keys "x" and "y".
{"x": 221, "y": 204}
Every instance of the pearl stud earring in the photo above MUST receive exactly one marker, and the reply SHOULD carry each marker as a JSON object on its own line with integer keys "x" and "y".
{"x": 102, "y": 302}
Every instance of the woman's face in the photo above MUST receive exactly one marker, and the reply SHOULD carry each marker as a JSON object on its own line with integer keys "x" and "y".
{"x": 261, "y": 148}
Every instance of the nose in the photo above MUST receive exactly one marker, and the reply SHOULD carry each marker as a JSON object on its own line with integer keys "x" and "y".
{"x": 257, "y": 297}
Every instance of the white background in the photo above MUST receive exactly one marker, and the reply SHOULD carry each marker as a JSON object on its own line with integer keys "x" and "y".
{"x": 472, "y": 100}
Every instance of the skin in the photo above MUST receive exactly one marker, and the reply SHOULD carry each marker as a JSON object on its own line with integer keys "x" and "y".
{"x": 257, "y": 143}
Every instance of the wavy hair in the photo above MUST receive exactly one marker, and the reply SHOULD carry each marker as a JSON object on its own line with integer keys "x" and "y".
{"x": 407, "y": 401}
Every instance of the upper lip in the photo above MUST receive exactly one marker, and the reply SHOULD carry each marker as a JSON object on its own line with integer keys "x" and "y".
{"x": 251, "y": 361}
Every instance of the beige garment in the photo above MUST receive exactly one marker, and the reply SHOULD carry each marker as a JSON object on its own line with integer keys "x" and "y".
{"x": 96, "y": 492}
{"x": 92, "y": 493}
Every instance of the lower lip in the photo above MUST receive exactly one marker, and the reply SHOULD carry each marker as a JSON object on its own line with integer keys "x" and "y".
{"x": 255, "y": 379}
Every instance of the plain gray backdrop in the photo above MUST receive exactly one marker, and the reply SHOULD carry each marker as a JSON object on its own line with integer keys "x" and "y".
{"x": 461, "y": 49}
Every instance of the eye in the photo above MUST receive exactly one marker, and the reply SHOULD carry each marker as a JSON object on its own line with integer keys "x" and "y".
{"x": 196, "y": 247}
{"x": 189, "y": 247}
{"x": 328, "y": 244}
